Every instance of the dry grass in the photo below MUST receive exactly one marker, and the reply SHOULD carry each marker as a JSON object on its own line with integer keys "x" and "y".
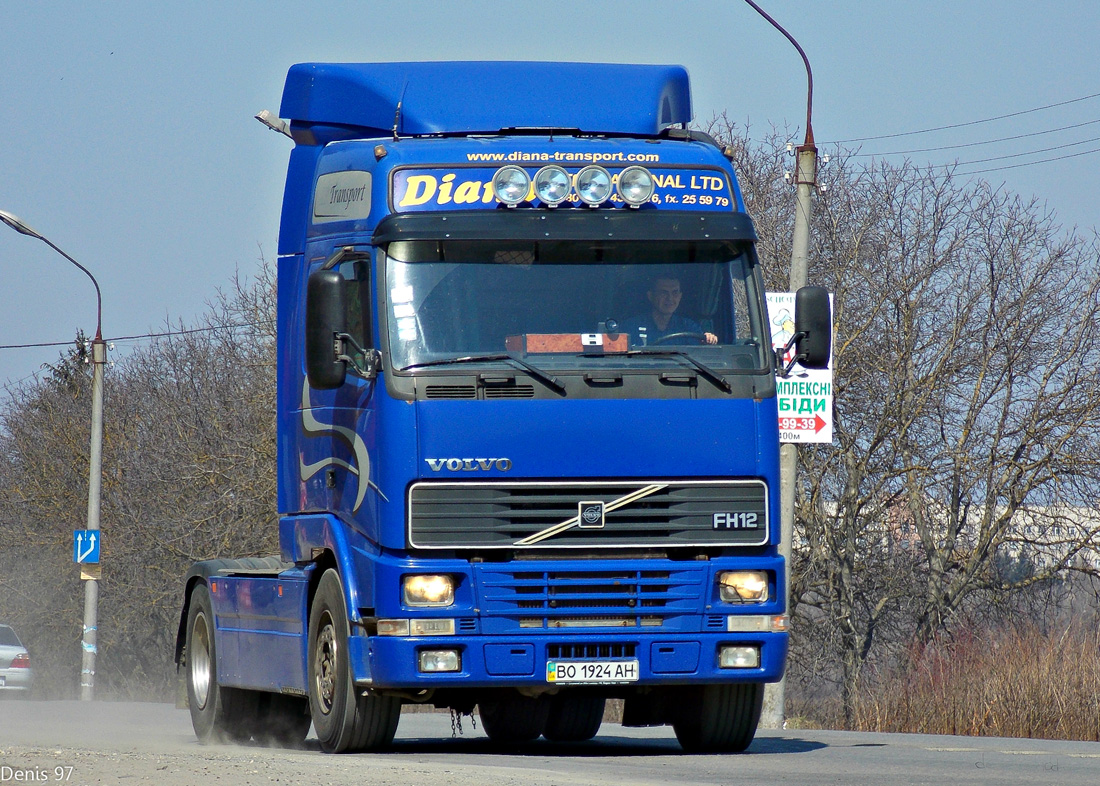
{"x": 1018, "y": 683}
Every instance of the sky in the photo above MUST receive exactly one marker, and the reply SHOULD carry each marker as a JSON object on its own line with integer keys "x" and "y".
{"x": 129, "y": 140}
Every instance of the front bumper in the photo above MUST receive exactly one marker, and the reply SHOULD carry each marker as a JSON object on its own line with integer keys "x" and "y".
{"x": 382, "y": 662}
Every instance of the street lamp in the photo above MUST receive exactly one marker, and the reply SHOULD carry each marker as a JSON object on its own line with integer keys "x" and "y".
{"x": 806, "y": 181}
{"x": 95, "y": 464}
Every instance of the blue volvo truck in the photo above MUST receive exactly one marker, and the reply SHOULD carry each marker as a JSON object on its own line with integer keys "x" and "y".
{"x": 527, "y": 426}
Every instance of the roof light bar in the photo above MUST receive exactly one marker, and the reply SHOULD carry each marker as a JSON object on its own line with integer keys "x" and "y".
{"x": 553, "y": 185}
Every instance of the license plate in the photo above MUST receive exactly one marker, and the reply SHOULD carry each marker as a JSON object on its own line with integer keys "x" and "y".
{"x": 3, "y": 681}
{"x": 592, "y": 671}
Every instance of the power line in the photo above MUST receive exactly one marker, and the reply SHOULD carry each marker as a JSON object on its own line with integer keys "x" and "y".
{"x": 1031, "y": 163}
{"x": 190, "y": 331}
{"x": 964, "y": 125}
{"x": 1029, "y": 153}
{"x": 143, "y": 335}
{"x": 955, "y": 165}
{"x": 35, "y": 346}
{"x": 974, "y": 144}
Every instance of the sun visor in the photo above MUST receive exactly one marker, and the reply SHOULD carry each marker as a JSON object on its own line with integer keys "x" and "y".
{"x": 566, "y": 225}
{"x": 376, "y": 99}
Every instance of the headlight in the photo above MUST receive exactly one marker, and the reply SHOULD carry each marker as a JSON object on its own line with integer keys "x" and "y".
{"x": 636, "y": 185}
{"x": 552, "y": 185}
{"x": 593, "y": 185}
{"x": 428, "y": 591}
{"x": 743, "y": 586}
{"x": 511, "y": 184}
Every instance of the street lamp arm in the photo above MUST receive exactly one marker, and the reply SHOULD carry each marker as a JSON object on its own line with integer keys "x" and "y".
{"x": 19, "y": 226}
{"x": 98, "y": 295}
{"x": 809, "y": 73}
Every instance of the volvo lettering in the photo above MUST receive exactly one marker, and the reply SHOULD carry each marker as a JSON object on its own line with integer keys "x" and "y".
{"x": 470, "y": 464}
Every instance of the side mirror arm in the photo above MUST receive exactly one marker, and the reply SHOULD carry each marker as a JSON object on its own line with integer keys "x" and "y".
{"x": 782, "y": 370}
{"x": 366, "y": 363}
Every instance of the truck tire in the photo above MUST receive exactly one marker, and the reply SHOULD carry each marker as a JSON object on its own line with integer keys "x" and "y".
{"x": 574, "y": 717}
{"x": 344, "y": 720}
{"x": 218, "y": 714}
{"x": 514, "y": 718}
{"x": 718, "y": 718}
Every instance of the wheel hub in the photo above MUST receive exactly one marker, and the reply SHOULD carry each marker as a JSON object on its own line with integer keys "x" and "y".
{"x": 325, "y": 664}
{"x": 199, "y": 660}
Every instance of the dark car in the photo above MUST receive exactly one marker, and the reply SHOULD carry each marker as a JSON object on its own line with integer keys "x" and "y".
{"x": 15, "y": 663}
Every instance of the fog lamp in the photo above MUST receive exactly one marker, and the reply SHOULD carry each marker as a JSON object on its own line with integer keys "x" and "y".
{"x": 552, "y": 185}
{"x": 511, "y": 184}
{"x": 439, "y": 660}
{"x": 739, "y": 657}
{"x": 740, "y": 586}
{"x": 593, "y": 185}
{"x": 428, "y": 591}
{"x": 636, "y": 185}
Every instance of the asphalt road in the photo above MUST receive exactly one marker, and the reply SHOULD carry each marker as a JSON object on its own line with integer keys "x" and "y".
{"x": 131, "y": 743}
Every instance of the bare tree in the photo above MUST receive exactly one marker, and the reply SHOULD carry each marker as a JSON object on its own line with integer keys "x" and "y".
{"x": 966, "y": 375}
{"x": 44, "y": 437}
{"x": 189, "y": 473}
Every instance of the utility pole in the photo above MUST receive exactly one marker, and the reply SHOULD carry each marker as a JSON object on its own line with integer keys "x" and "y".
{"x": 95, "y": 466}
{"x": 773, "y": 713}
{"x": 95, "y": 477}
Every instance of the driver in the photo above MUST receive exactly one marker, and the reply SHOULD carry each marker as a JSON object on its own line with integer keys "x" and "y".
{"x": 664, "y": 296}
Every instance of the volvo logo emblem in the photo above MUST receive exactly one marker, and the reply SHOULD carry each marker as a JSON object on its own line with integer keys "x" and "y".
{"x": 469, "y": 464}
{"x": 590, "y": 514}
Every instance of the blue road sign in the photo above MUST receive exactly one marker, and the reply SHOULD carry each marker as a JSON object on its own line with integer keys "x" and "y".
{"x": 86, "y": 543}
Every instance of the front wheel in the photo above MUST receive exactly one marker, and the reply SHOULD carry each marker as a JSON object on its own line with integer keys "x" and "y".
{"x": 574, "y": 717}
{"x": 514, "y": 718}
{"x": 345, "y": 721}
{"x": 718, "y": 718}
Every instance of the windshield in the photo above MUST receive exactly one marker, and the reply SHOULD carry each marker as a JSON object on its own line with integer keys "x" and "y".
{"x": 558, "y": 304}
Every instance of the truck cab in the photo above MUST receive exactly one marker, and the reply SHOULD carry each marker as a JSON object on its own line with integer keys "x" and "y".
{"x": 528, "y": 445}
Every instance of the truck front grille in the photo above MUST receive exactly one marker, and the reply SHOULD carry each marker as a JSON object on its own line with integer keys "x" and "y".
{"x": 589, "y": 651}
{"x": 512, "y": 599}
{"x": 547, "y": 514}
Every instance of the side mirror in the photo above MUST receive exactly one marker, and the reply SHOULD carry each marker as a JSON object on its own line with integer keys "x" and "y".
{"x": 813, "y": 323}
{"x": 326, "y": 316}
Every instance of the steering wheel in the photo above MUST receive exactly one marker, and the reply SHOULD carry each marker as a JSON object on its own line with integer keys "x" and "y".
{"x": 682, "y": 334}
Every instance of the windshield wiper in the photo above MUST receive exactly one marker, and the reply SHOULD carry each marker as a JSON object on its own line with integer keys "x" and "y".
{"x": 706, "y": 370}
{"x": 550, "y": 380}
